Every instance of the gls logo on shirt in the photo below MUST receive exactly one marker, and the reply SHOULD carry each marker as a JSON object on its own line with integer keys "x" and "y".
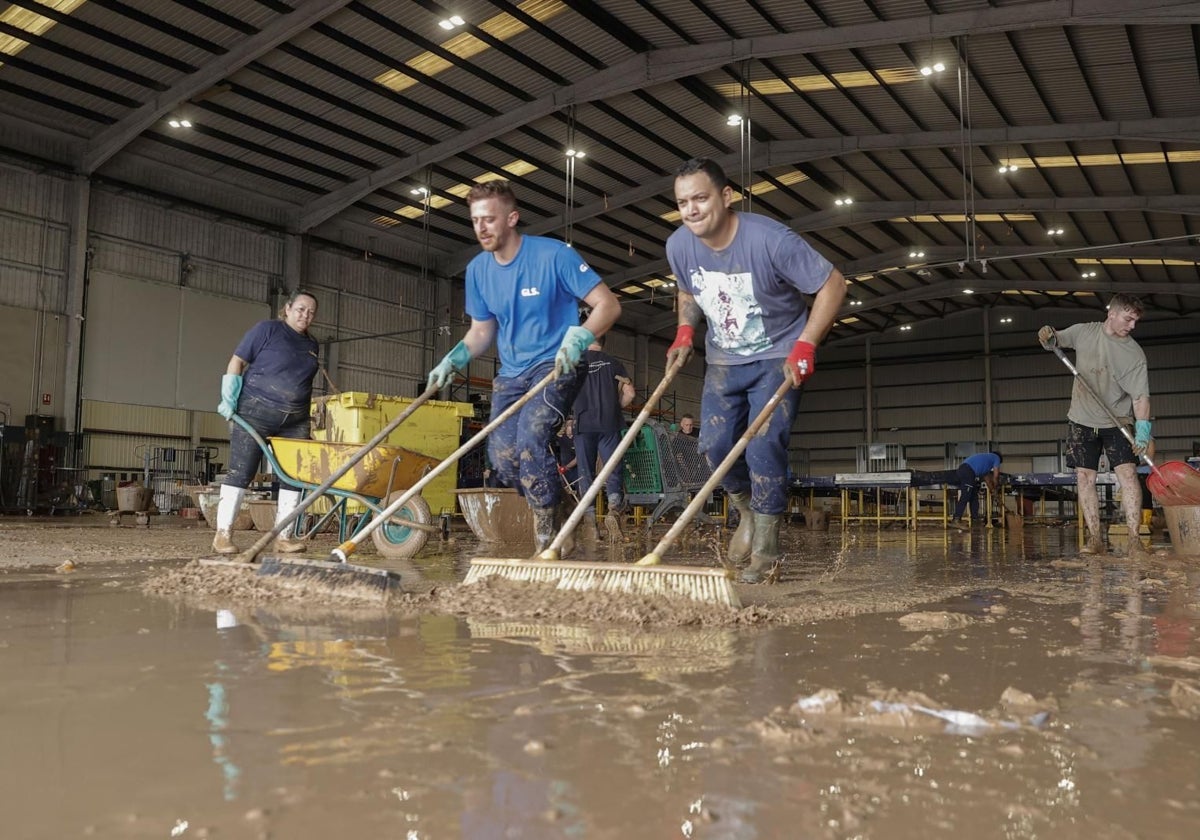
{"x": 530, "y": 291}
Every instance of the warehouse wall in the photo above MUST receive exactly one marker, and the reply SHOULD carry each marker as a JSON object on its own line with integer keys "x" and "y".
{"x": 175, "y": 286}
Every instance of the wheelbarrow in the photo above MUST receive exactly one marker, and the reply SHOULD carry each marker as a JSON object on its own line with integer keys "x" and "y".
{"x": 383, "y": 474}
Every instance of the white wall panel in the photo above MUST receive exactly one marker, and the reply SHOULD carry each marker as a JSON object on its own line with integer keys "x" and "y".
{"x": 156, "y": 344}
{"x": 101, "y": 416}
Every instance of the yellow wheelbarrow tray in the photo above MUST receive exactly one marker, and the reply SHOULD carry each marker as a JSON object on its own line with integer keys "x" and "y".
{"x": 384, "y": 469}
{"x": 382, "y": 474}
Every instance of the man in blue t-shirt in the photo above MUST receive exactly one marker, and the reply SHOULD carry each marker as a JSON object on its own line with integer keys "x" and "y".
{"x": 599, "y": 418}
{"x": 747, "y": 275}
{"x": 524, "y": 293}
{"x": 983, "y": 466}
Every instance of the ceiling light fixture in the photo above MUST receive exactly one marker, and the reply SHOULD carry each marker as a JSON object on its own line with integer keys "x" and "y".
{"x": 176, "y": 122}
{"x": 1088, "y": 274}
{"x": 843, "y": 201}
{"x": 451, "y": 22}
{"x": 733, "y": 119}
{"x": 419, "y": 191}
{"x": 1006, "y": 320}
{"x": 930, "y": 69}
{"x": 1054, "y": 231}
{"x": 968, "y": 291}
{"x": 1007, "y": 168}
{"x": 905, "y": 327}
{"x": 916, "y": 255}
{"x": 576, "y": 153}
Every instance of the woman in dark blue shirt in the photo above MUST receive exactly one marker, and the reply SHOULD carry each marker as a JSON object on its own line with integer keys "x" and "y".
{"x": 268, "y": 382}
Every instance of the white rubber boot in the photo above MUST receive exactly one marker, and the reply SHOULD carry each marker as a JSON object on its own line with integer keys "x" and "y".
{"x": 286, "y": 543}
{"x": 228, "y": 507}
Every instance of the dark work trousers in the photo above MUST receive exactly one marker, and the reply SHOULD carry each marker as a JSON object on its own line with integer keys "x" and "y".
{"x": 733, "y": 396}
{"x": 587, "y": 446}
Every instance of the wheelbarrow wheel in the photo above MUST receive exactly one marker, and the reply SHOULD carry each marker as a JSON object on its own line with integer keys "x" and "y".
{"x": 396, "y": 541}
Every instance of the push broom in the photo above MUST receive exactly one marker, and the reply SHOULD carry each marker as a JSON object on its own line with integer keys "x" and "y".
{"x": 647, "y": 576}
{"x": 318, "y": 570}
{"x": 342, "y": 552}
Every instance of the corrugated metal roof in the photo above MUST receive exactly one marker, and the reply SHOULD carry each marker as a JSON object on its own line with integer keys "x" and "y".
{"x": 353, "y": 110}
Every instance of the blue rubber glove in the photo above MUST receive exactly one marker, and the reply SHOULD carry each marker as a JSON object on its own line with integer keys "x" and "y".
{"x": 1141, "y": 436}
{"x": 574, "y": 343}
{"x": 231, "y": 389}
{"x": 453, "y": 362}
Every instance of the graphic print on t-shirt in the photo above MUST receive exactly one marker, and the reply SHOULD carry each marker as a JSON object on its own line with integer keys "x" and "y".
{"x": 734, "y": 316}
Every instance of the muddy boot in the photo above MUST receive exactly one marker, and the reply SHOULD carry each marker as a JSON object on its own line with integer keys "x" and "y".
{"x": 612, "y": 519}
{"x": 591, "y": 531}
{"x": 742, "y": 540}
{"x": 546, "y": 522}
{"x": 764, "y": 552}
{"x": 290, "y": 545}
{"x": 1094, "y": 545}
{"x": 1135, "y": 550}
{"x": 222, "y": 544}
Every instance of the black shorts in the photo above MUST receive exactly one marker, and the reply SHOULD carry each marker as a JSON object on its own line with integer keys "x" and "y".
{"x": 1085, "y": 443}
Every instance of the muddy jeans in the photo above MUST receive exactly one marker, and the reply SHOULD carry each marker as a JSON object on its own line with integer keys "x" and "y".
{"x": 733, "y": 396}
{"x": 520, "y": 449}
{"x": 244, "y": 454}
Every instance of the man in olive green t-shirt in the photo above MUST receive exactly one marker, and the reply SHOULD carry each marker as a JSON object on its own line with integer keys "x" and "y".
{"x": 1112, "y": 363}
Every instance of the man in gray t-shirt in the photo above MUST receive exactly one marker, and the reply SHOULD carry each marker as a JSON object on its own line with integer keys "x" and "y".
{"x": 1114, "y": 366}
{"x": 747, "y": 276}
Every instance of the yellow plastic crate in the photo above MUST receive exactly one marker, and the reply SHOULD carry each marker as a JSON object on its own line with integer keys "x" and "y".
{"x": 435, "y": 430}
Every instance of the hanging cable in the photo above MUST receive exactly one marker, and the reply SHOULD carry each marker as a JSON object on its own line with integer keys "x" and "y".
{"x": 745, "y": 173}
{"x": 572, "y": 155}
{"x": 966, "y": 152}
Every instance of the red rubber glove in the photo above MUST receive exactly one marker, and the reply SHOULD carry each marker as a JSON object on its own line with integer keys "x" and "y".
{"x": 801, "y": 363}
{"x": 682, "y": 345}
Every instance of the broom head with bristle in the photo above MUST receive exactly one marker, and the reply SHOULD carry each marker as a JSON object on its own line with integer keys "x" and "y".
{"x": 322, "y": 575}
{"x": 709, "y": 586}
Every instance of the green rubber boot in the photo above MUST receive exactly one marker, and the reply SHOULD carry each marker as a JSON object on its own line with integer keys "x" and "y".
{"x": 742, "y": 540}
{"x": 764, "y": 553}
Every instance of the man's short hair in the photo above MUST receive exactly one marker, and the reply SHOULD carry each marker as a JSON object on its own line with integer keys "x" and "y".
{"x": 500, "y": 189}
{"x": 706, "y": 165}
{"x": 686, "y": 417}
{"x": 1130, "y": 303}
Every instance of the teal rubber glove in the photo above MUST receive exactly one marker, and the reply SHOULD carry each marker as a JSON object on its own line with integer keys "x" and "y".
{"x": 574, "y": 343}
{"x": 1141, "y": 437}
{"x": 453, "y": 362}
{"x": 231, "y": 389}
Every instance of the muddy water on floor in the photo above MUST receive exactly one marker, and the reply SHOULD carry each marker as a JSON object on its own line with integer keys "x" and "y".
{"x": 126, "y": 715}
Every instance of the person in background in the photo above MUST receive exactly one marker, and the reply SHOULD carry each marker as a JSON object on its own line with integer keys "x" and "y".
{"x": 687, "y": 426}
{"x": 524, "y": 294}
{"x": 747, "y": 275}
{"x": 980, "y": 467}
{"x": 1114, "y": 366}
{"x": 599, "y": 411}
{"x": 268, "y": 383}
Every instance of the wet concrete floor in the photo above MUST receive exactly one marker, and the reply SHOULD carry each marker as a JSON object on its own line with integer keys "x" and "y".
{"x": 916, "y": 686}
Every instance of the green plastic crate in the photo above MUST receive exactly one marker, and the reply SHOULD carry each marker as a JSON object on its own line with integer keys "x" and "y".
{"x": 642, "y": 472}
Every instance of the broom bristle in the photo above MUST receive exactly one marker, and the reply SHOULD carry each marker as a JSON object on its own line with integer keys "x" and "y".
{"x": 361, "y": 581}
{"x": 709, "y": 586}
